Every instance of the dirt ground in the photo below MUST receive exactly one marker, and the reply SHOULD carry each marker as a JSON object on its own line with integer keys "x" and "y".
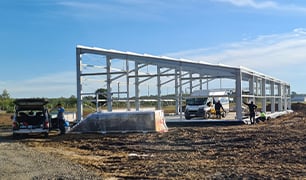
{"x": 275, "y": 149}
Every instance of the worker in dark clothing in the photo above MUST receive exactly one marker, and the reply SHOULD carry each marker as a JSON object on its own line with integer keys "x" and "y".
{"x": 61, "y": 118}
{"x": 252, "y": 110}
{"x": 218, "y": 107}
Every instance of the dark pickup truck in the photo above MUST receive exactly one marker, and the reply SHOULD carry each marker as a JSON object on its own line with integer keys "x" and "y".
{"x": 31, "y": 116}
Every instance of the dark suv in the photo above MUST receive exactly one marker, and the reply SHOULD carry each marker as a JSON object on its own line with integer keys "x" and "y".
{"x": 31, "y": 117}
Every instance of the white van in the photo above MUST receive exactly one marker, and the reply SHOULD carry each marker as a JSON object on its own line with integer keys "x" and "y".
{"x": 201, "y": 103}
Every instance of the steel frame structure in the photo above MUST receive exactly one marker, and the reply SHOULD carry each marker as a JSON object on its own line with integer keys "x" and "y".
{"x": 180, "y": 73}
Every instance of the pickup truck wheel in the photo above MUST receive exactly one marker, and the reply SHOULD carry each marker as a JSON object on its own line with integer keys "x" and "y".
{"x": 46, "y": 135}
{"x": 18, "y": 136}
{"x": 187, "y": 117}
{"x": 15, "y": 136}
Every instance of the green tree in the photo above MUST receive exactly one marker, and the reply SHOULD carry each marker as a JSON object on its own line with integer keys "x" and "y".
{"x": 72, "y": 101}
{"x": 293, "y": 94}
{"x": 5, "y": 94}
{"x": 6, "y": 103}
{"x": 102, "y": 94}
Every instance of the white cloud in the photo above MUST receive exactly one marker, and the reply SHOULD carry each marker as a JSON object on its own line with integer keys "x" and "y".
{"x": 122, "y": 9}
{"x": 51, "y": 85}
{"x": 252, "y": 3}
{"x": 265, "y": 5}
{"x": 279, "y": 55}
{"x": 283, "y": 48}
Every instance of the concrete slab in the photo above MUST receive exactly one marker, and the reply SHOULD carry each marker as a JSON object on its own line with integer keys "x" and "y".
{"x": 178, "y": 121}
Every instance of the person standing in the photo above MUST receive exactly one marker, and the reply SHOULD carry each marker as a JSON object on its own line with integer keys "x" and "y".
{"x": 252, "y": 110}
{"x": 61, "y": 118}
{"x": 218, "y": 107}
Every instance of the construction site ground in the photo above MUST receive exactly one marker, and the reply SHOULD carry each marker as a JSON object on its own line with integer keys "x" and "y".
{"x": 275, "y": 149}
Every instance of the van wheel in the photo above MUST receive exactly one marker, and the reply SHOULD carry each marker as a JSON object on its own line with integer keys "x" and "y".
{"x": 187, "y": 116}
{"x": 207, "y": 115}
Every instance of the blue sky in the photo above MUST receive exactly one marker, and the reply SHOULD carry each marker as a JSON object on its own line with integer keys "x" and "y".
{"x": 39, "y": 37}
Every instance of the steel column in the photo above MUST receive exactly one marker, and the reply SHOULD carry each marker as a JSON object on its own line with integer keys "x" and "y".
{"x": 108, "y": 83}
{"x": 178, "y": 108}
{"x": 263, "y": 92}
{"x": 127, "y": 85}
{"x": 239, "y": 95}
{"x": 137, "y": 104}
{"x": 79, "y": 84}
{"x": 158, "y": 89}
{"x": 272, "y": 97}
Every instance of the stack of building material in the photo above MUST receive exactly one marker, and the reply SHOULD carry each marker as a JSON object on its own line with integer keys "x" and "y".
{"x": 122, "y": 122}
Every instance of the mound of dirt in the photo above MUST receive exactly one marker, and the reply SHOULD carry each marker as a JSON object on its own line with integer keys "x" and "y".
{"x": 5, "y": 121}
{"x": 299, "y": 107}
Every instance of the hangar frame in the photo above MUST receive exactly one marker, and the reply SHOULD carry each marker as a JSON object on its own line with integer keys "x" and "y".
{"x": 181, "y": 74}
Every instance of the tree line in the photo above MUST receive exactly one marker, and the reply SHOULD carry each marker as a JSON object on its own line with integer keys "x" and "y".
{"x": 7, "y": 103}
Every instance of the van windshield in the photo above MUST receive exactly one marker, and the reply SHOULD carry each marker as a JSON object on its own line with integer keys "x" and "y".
{"x": 196, "y": 101}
